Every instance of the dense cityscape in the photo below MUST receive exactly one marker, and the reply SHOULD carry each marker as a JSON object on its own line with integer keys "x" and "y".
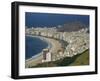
{"x": 73, "y": 43}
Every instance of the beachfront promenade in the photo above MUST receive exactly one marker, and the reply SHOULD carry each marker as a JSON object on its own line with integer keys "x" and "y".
{"x": 64, "y": 44}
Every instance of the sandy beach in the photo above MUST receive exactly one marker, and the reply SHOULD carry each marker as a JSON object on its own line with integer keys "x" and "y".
{"x": 54, "y": 46}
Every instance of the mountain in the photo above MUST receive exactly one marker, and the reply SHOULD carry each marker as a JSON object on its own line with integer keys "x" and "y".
{"x": 72, "y": 26}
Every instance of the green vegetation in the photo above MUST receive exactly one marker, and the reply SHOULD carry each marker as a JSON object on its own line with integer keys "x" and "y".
{"x": 83, "y": 59}
{"x": 79, "y": 59}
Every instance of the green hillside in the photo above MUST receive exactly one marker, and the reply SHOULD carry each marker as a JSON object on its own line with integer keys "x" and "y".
{"x": 80, "y": 59}
{"x": 83, "y": 59}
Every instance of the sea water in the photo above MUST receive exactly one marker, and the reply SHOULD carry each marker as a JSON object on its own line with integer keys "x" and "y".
{"x": 33, "y": 46}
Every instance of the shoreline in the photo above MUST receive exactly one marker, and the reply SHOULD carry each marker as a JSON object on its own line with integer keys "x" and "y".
{"x": 38, "y": 54}
{"x": 53, "y": 45}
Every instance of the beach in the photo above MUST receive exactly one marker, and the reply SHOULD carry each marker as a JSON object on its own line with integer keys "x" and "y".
{"x": 53, "y": 45}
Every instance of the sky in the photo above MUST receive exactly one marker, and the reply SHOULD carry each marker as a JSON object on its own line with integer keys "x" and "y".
{"x": 52, "y": 20}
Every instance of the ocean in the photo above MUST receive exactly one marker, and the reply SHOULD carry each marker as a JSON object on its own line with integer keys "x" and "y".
{"x": 33, "y": 46}
{"x": 53, "y": 20}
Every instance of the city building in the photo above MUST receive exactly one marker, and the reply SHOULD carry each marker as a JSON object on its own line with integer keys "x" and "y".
{"x": 46, "y": 55}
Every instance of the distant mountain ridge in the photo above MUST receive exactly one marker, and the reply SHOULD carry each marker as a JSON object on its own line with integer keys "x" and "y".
{"x": 72, "y": 26}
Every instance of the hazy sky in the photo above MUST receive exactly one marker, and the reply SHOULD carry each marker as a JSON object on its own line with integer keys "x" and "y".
{"x": 49, "y": 20}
